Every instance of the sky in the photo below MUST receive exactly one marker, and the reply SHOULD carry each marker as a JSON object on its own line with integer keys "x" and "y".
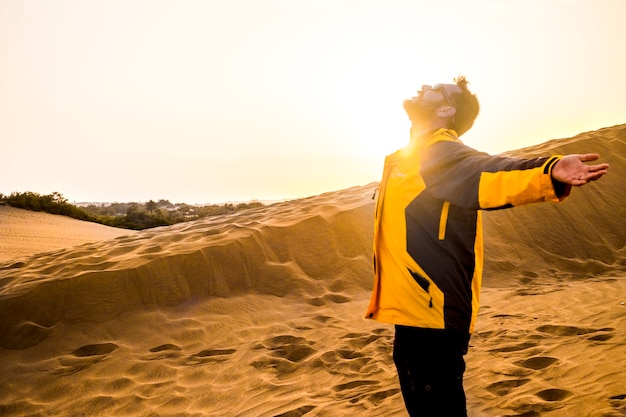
{"x": 236, "y": 100}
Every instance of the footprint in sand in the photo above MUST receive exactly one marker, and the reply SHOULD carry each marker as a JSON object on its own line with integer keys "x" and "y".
{"x": 526, "y": 414}
{"x": 377, "y": 397}
{"x": 514, "y": 348}
{"x": 324, "y": 319}
{"x": 358, "y": 341}
{"x": 538, "y": 362}
{"x": 165, "y": 347}
{"x": 356, "y": 353}
{"x": 554, "y": 394}
{"x": 209, "y": 355}
{"x": 618, "y": 398}
{"x": 570, "y": 330}
{"x": 84, "y": 357}
{"x": 504, "y": 387}
{"x": 95, "y": 350}
{"x": 602, "y": 335}
{"x": 286, "y": 353}
{"x": 354, "y": 384}
{"x": 549, "y": 401}
{"x": 165, "y": 351}
{"x": 345, "y": 362}
{"x": 619, "y": 403}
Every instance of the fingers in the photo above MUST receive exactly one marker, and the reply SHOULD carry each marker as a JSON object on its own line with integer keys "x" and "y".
{"x": 571, "y": 169}
{"x": 597, "y": 168}
{"x": 594, "y": 173}
{"x": 588, "y": 157}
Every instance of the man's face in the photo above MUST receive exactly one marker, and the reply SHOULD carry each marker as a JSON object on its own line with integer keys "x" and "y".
{"x": 429, "y": 100}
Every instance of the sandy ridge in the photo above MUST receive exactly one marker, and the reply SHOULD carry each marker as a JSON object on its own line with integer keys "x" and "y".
{"x": 24, "y": 233}
{"x": 295, "y": 248}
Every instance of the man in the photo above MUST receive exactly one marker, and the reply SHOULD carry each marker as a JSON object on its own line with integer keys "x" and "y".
{"x": 428, "y": 247}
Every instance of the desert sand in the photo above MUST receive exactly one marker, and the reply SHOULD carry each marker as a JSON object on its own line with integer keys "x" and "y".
{"x": 260, "y": 313}
{"x": 25, "y": 233}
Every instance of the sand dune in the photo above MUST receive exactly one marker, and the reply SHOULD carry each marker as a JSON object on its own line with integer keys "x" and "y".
{"x": 24, "y": 232}
{"x": 582, "y": 236}
{"x": 260, "y": 313}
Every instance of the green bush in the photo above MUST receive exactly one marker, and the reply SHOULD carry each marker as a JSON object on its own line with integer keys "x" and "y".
{"x": 133, "y": 216}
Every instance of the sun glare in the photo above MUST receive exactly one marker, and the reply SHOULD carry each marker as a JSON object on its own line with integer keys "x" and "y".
{"x": 202, "y": 87}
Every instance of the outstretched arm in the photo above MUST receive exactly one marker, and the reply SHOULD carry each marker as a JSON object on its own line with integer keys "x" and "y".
{"x": 572, "y": 170}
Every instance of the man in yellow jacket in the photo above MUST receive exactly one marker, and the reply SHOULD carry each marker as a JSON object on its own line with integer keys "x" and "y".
{"x": 428, "y": 245}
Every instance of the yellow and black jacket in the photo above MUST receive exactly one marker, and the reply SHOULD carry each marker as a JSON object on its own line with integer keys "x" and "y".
{"x": 428, "y": 245}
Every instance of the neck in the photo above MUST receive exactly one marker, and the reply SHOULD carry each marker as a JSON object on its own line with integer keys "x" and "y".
{"x": 421, "y": 131}
{"x": 422, "y": 126}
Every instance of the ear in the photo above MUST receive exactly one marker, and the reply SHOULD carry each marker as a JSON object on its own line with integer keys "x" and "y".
{"x": 446, "y": 111}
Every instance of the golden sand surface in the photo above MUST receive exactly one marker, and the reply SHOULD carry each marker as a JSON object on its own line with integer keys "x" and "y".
{"x": 260, "y": 313}
{"x": 24, "y": 232}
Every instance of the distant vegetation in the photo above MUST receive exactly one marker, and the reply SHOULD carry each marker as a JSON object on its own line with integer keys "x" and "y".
{"x": 136, "y": 216}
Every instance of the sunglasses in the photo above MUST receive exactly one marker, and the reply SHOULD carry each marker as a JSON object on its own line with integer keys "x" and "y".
{"x": 442, "y": 89}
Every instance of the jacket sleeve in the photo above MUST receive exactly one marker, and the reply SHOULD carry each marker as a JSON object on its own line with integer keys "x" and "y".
{"x": 457, "y": 173}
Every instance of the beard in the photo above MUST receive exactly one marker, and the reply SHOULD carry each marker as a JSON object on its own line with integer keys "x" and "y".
{"x": 420, "y": 111}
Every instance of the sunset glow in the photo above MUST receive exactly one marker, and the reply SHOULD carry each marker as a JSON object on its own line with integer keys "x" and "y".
{"x": 211, "y": 101}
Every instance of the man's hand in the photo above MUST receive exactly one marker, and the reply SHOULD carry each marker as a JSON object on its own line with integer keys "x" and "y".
{"x": 571, "y": 169}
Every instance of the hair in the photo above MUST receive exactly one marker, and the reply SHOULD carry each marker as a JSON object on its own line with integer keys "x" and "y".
{"x": 467, "y": 107}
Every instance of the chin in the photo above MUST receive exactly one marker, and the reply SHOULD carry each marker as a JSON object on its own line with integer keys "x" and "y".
{"x": 412, "y": 107}
{"x": 416, "y": 111}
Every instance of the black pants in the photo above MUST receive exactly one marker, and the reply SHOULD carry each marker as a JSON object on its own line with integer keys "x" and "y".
{"x": 430, "y": 368}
